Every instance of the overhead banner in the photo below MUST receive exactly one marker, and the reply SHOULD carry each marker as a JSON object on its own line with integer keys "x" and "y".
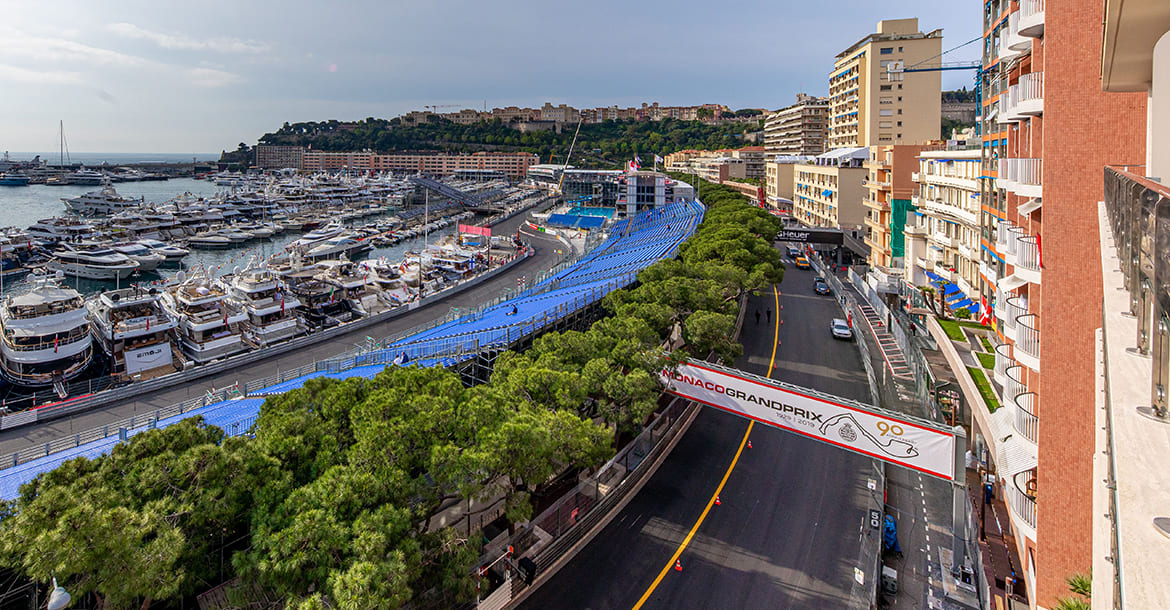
{"x": 474, "y": 230}
{"x": 878, "y": 435}
{"x": 812, "y": 236}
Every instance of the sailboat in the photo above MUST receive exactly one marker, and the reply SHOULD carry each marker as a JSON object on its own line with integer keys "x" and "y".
{"x": 62, "y": 176}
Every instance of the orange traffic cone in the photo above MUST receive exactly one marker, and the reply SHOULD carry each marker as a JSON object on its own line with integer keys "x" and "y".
{"x": 749, "y": 444}
{"x": 678, "y": 565}
{"x": 717, "y": 502}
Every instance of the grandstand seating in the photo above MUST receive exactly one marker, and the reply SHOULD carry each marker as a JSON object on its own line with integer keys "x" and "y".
{"x": 632, "y": 245}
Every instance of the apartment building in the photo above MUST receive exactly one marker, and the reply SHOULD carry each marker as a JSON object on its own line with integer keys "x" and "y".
{"x": 1044, "y": 114}
{"x": 514, "y": 165}
{"x": 560, "y": 113}
{"x": 798, "y": 129}
{"x": 827, "y": 190}
{"x": 779, "y": 181}
{"x": 946, "y": 224}
{"x": 869, "y": 108}
{"x": 753, "y": 158}
{"x": 279, "y": 157}
{"x": 888, "y": 187}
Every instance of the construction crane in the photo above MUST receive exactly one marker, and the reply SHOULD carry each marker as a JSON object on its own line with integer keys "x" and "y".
{"x": 895, "y": 72}
{"x": 561, "y": 182}
{"x": 437, "y": 106}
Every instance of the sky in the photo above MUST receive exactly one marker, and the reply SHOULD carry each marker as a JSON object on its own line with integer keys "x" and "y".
{"x": 200, "y": 77}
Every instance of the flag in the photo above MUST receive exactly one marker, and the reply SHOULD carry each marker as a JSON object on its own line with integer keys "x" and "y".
{"x": 55, "y": 339}
{"x": 637, "y": 160}
{"x": 1039, "y": 252}
{"x": 658, "y": 159}
{"x": 984, "y": 312}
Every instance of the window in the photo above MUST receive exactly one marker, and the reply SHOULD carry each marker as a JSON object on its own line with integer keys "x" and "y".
{"x": 887, "y": 50}
{"x": 899, "y": 85}
{"x": 887, "y": 112}
{"x": 886, "y": 87}
{"x": 899, "y": 111}
{"x": 899, "y": 98}
{"x": 899, "y": 49}
{"x": 899, "y": 123}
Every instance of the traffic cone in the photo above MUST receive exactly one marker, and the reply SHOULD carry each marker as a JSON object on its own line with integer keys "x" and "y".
{"x": 717, "y": 502}
{"x": 678, "y": 565}
{"x": 749, "y": 444}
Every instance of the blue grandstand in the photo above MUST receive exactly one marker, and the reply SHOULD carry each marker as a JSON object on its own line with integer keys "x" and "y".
{"x": 633, "y": 244}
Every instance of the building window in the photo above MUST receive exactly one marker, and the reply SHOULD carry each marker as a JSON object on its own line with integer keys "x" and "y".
{"x": 887, "y": 50}
{"x": 899, "y": 123}
{"x": 899, "y": 98}
{"x": 886, "y": 87}
{"x": 899, "y": 49}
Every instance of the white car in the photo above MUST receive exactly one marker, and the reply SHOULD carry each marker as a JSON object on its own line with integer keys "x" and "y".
{"x": 841, "y": 329}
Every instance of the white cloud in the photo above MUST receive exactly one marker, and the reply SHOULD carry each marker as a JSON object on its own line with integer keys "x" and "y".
{"x": 40, "y": 77}
{"x": 209, "y": 77}
{"x": 39, "y": 49}
{"x": 186, "y": 43}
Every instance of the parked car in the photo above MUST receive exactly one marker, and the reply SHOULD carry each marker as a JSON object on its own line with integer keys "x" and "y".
{"x": 841, "y": 329}
{"x": 802, "y": 262}
{"x": 820, "y": 286}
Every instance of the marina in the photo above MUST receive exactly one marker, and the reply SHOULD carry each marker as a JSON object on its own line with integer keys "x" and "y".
{"x": 173, "y": 282}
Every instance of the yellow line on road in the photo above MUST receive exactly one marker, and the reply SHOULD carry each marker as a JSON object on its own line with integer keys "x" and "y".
{"x": 742, "y": 443}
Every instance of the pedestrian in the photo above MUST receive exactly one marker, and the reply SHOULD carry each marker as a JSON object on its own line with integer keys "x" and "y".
{"x": 757, "y": 317}
{"x": 769, "y": 315}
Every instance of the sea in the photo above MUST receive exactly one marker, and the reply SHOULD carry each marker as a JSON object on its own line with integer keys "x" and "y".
{"x": 21, "y": 206}
{"x": 115, "y": 159}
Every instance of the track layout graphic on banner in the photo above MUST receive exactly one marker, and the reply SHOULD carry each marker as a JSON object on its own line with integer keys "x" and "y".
{"x": 916, "y": 444}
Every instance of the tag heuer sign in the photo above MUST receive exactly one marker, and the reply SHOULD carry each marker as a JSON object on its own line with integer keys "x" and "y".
{"x": 812, "y": 236}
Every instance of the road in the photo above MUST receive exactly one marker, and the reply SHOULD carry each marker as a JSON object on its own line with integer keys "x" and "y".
{"x": 786, "y": 531}
{"x": 19, "y": 438}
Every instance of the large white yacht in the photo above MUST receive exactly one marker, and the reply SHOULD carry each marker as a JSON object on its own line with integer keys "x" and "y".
{"x": 170, "y": 252}
{"x": 272, "y": 312}
{"x": 210, "y": 324}
{"x": 101, "y": 203}
{"x": 135, "y": 331}
{"x": 60, "y": 229}
{"x": 354, "y": 284}
{"x": 87, "y": 177}
{"x": 345, "y": 244}
{"x": 316, "y": 236}
{"x": 46, "y": 335}
{"x": 92, "y": 262}
{"x": 147, "y": 259}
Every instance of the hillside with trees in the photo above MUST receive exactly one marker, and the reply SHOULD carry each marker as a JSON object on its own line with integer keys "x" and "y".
{"x": 607, "y": 144}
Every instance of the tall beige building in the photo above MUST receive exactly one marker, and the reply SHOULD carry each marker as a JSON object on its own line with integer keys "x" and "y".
{"x": 827, "y": 189}
{"x": 798, "y": 129}
{"x": 867, "y": 108}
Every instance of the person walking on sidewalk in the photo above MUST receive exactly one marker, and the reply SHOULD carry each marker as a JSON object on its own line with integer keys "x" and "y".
{"x": 769, "y": 315}
{"x": 757, "y": 317}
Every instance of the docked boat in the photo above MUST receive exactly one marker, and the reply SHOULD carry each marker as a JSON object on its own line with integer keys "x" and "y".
{"x": 315, "y": 236}
{"x": 135, "y": 332}
{"x": 209, "y": 240}
{"x": 170, "y": 253}
{"x": 91, "y": 262}
{"x": 45, "y": 335}
{"x": 87, "y": 177}
{"x": 388, "y": 282}
{"x": 14, "y": 179}
{"x": 272, "y": 312}
{"x": 341, "y": 245}
{"x": 210, "y": 325}
{"x": 101, "y": 203}
{"x": 146, "y": 258}
{"x": 60, "y": 229}
{"x": 355, "y": 284}
{"x": 323, "y": 305}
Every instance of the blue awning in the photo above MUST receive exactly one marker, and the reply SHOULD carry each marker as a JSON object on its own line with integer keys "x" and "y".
{"x": 934, "y": 277}
{"x": 961, "y": 304}
{"x": 951, "y": 289}
{"x": 826, "y": 192}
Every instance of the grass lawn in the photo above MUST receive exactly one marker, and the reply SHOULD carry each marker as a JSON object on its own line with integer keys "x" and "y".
{"x": 986, "y": 344}
{"x": 987, "y": 360}
{"x": 952, "y": 329}
{"x": 984, "y": 388}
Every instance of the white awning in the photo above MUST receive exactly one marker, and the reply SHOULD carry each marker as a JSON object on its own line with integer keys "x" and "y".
{"x": 1011, "y": 282}
{"x": 1031, "y": 206}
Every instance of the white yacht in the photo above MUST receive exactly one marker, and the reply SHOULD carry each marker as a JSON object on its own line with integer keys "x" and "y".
{"x": 209, "y": 240}
{"x": 311, "y": 238}
{"x": 341, "y": 245}
{"x": 46, "y": 335}
{"x": 92, "y": 263}
{"x": 60, "y": 229}
{"x": 136, "y": 333}
{"x": 234, "y": 235}
{"x": 170, "y": 253}
{"x": 354, "y": 284}
{"x": 210, "y": 324}
{"x": 389, "y": 283}
{"x": 101, "y": 203}
{"x": 146, "y": 258}
{"x": 272, "y": 312}
{"x": 87, "y": 177}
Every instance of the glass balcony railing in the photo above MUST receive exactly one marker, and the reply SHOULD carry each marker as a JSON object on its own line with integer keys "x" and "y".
{"x": 1138, "y": 210}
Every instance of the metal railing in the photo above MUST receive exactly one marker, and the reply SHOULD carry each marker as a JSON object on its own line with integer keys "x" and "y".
{"x": 1027, "y": 252}
{"x": 1028, "y": 335}
{"x": 1022, "y": 496}
{"x": 1027, "y": 423}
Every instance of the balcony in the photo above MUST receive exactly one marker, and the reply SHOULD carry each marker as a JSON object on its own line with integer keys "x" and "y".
{"x": 1014, "y": 385}
{"x": 1028, "y": 341}
{"x": 1023, "y": 99}
{"x": 1031, "y": 18}
{"x": 1016, "y": 308}
{"x": 1003, "y": 360}
{"x": 1027, "y": 424}
{"x": 1010, "y": 41}
{"x": 1021, "y": 493}
{"x": 870, "y": 202}
{"x": 944, "y": 240}
{"x": 1023, "y": 177}
{"x": 1005, "y": 241}
{"x": 1027, "y": 257}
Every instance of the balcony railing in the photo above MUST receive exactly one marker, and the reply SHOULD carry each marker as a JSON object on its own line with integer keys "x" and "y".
{"x": 1015, "y": 308}
{"x": 1024, "y": 98}
{"x": 1005, "y": 240}
{"x": 1022, "y": 496}
{"x": 1028, "y": 340}
{"x": 1139, "y": 217}
{"x": 1031, "y": 18}
{"x": 1002, "y": 361}
{"x": 1027, "y": 253}
{"x": 1027, "y": 423}
{"x": 1023, "y": 177}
